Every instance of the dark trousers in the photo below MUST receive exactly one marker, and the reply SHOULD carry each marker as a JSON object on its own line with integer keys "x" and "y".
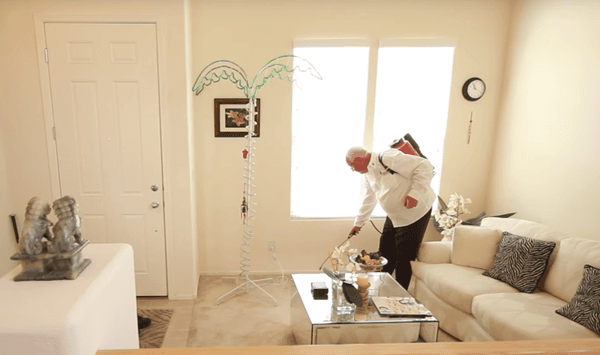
{"x": 401, "y": 245}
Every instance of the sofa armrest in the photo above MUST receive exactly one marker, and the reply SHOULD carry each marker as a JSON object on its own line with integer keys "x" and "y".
{"x": 435, "y": 252}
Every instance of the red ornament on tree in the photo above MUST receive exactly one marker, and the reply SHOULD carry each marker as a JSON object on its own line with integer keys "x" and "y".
{"x": 245, "y": 153}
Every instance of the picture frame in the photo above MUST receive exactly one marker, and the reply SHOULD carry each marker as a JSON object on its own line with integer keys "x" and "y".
{"x": 229, "y": 118}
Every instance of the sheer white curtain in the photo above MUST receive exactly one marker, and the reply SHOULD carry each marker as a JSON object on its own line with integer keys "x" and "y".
{"x": 328, "y": 118}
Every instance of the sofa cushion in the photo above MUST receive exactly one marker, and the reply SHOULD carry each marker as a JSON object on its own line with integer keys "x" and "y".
{"x": 520, "y": 261}
{"x": 584, "y": 307}
{"x": 567, "y": 270}
{"x": 526, "y": 316}
{"x": 528, "y": 229}
{"x": 435, "y": 252}
{"x": 525, "y": 228}
{"x": 475, "y": 246}
{"x": 453, "y": 321}
{"x": 457, "y": 285}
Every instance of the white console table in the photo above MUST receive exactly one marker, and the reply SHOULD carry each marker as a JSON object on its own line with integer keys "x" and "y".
{"x": 96, "y": 311}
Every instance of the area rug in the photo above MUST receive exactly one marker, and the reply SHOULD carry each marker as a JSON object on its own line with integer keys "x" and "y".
{"x": 153, "y": 336}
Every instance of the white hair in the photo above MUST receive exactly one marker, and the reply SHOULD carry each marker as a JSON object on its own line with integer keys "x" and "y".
{"x": 354, "y": 152}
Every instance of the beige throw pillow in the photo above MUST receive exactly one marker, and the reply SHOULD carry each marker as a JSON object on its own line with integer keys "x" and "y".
{"x": 475, "y": 246}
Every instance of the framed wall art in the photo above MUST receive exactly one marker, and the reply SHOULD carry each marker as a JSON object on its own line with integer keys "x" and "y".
{"x": 230, "y": 118}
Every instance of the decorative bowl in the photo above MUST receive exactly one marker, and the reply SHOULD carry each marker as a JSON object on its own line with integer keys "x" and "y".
{"x": 369, "y": 268}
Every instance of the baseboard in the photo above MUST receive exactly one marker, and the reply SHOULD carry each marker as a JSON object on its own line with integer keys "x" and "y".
{"x": 182, "y": 297}
{"x": 258, "y": 273}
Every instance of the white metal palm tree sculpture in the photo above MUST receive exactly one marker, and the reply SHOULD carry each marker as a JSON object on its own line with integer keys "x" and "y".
{"x": 280, "y": 68}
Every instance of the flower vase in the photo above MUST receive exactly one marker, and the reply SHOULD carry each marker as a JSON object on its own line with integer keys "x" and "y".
{"x": 340, "y": 305}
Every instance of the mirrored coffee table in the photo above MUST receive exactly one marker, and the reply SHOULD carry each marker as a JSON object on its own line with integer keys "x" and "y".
{"x": 314, "y": 322}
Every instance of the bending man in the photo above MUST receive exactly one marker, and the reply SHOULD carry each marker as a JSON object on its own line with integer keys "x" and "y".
{"x": 401, "y": 184}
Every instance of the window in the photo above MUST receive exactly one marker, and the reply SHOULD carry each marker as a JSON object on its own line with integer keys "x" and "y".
{"x": 411, "y": 95}
{"x": 327, "y": 118}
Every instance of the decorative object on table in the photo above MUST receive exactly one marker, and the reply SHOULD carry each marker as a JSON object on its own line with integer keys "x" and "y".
{"x": 373, "y": 265}
{"x": 340, "y": 258}
{"x": 446, "y": 216}
{"x": 369, "y": 259}
{"x": 345, "y": 297}
{"x": 36, "y": 227}
{"x": 344, "y": 245}
{"x": 340, "y": 303}
{"x": 319, "y": 290}
{"x": 280, "y": 68}
{"x": 55, "y": 255}
{"x": 67, "y": 231}
{"x": 231, "y": 118}
{"x": 400, "y": 307}
{"x": 350, "y": 293}
{"x": 362, "y": 281}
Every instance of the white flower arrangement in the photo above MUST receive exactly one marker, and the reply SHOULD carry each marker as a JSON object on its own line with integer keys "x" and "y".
{"x": 448, "y": 216}
{"x": 341, "y": 256}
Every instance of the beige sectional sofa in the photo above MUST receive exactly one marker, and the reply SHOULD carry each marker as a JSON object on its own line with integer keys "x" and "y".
{"x": 447, "y": 279}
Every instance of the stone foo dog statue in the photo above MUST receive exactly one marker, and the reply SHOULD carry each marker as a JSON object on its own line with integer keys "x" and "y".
{"x": 36, "y": 227}
{"x": 68, "y": 228}
{"x": 59, "y": 256}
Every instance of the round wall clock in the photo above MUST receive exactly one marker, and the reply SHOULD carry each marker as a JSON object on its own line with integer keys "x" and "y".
{"x": 473, "y": 89}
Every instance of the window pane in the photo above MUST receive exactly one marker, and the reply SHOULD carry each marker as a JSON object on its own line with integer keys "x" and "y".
{"x": 413, "y": 92}
{"x": 328, "y": 117}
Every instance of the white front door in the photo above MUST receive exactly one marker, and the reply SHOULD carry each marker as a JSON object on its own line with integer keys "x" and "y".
{"x": 104, "y": 86}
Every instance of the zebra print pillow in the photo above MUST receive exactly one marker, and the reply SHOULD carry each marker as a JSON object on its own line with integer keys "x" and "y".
{"x": 520, "y": 261}
{"x": 584, "y": 307}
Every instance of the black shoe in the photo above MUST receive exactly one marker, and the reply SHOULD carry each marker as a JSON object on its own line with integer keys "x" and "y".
{"x": 143, "y": 322}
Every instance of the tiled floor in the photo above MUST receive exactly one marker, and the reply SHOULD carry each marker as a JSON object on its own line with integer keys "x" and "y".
{"x": 200, "y": 322}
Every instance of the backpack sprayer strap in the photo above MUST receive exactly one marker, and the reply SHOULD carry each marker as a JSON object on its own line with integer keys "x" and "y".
{"x": 380, "y": 156}
{"x": 406, "y": 145}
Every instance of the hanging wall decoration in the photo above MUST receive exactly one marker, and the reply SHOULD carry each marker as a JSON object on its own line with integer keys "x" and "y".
{"x": 284, "y": 67}
{"x": 231, "y": 118}
{"x": 469, "y": 131}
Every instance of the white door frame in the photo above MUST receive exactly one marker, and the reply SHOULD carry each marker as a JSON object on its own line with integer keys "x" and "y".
{"x": 161, "y": 36}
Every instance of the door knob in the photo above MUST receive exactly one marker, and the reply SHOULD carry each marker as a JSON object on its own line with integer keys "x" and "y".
{"x": 154, "y": 187}
{"x": 155, "y": 204}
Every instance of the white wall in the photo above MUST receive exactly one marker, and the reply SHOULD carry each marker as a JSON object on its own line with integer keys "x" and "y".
{"x": 23, "y": 132}
{"x": 252, "y": 32}
{"x": 8, "y": 243}
{"x": 547, "y": 155}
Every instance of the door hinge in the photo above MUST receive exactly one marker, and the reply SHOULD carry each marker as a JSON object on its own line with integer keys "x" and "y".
{"x": 46, "y": 54}
{"x": 54, "y": 133}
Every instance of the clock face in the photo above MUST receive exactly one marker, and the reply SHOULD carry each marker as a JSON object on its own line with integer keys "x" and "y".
{"x": 473, "y": 89}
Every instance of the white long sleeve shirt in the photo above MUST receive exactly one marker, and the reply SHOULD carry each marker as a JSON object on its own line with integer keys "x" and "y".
{"x": 412, "y": 178}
